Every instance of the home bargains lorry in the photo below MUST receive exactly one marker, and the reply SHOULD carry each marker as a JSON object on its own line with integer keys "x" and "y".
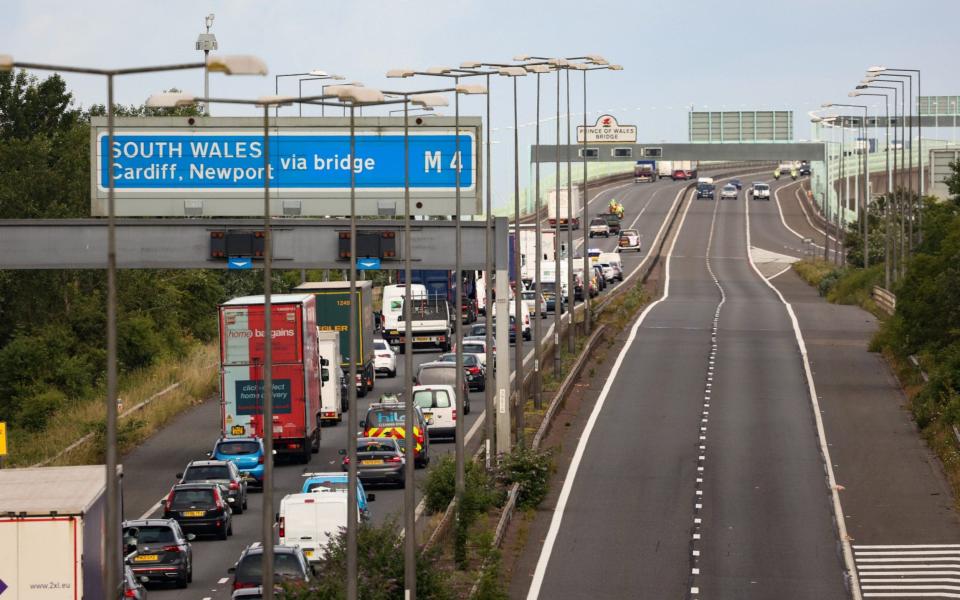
{"x": 51, "y": 533}
{"x": 333, "y": 314}
{"x": 296, "y": 371}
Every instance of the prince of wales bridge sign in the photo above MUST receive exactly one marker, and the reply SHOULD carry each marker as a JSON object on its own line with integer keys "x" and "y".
{"x": 213, "y": 166}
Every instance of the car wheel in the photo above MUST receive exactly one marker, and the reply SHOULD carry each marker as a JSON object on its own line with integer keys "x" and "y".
{"x": 239, "y": 509}
{"x": 190, "y": 573}
{"x": 230, "y": 528}
{"x": 183, "y": 580}
{"x": 245, "y": 501}
{"x": 392, "y": 373}
{"x": 361, "y": 391}
{"x": 222, "y": 534}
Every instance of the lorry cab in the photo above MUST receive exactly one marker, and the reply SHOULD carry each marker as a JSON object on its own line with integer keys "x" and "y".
{"x": 311, "y": 520}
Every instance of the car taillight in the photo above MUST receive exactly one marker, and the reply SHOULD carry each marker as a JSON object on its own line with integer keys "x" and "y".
{"x": 129, "y": 593}
{"x": 242, "y": 585}
{"x": 260, "y": 460}
{"x": 171, "y": 548}
{"x": 346, "y": 460}
{"x": 216, "y": 496}
{"x": 282, "y": 526}
{"x": 394, "y": 459}
{"x": 474, "y": 370}
{"x": 169, "y": 502}
{"x": 454, "y": 414}
{"x": 234, "y": 485}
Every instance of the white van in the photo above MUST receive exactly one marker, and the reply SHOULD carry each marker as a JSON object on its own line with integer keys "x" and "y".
{"x": 392, "y": 308}
{"x": 437, "y": 402}
{"x": 311, "y": 520}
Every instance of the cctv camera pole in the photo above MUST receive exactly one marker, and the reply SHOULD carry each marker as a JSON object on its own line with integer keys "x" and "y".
{"x": 352, "y": 524}
{"x": 409, "y": 497}
{"x": 267, "y": 426}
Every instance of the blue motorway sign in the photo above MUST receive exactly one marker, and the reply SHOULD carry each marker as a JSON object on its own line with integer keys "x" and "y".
{"x": 368, "y": 264}
{"x": 234, "y": 161}
{"x": 239, "y": 264}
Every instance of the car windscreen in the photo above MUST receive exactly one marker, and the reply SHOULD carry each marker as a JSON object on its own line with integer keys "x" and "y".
{"x": 151, "y": 534}
{"x": 338, "y": 486}
{"x": 379, "y": 344}
{"x": 192, "y": 498}
{"x": 237, "y": 448}
{"x": 473, "y": 348}
{"x": 762, "y": 188}
{"x": 385, "y": 417}
{"x": 250, "y": 569}
{"x": 598, "y": 222}
{"x": 205, "y": 473}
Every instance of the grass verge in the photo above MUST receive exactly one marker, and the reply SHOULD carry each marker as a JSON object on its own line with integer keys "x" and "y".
{"x": 196, "y": 373}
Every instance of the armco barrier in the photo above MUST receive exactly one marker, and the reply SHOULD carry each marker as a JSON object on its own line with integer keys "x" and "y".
{"x": 885, "y": 299}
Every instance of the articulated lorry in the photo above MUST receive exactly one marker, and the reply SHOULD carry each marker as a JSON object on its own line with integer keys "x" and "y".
{"x": 52, "y": 534}
{"x": 566, "y": 220}
{"x": 296, "y": 371}
{"x": 333, "y": 314}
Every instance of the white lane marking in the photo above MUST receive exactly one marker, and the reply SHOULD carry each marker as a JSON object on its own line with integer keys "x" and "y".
{"x": 903, "y": 546}
{"x": 557, "y": 518}
{"x": 818, "y": 419}
{"x": 223, "y": 580}
{"x": 153, "y": 508}
{"x": 803, "y": 208}
{"x": 779, "y": 273}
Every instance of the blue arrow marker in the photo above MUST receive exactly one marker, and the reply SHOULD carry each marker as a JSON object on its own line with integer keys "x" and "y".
{"x": 368, "y": 264}
{"x": 242, "y": 264}
{"x": 3, "y": 587}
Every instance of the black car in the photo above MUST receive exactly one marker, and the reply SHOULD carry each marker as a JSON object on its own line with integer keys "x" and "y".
{"x": 379, "y": 460}
{"x": 223, "y": 472}
{"x": 132, "y": 588}
{"x": 473, "y": 371}
{"x": 805, "y": 168}
{"x": 290, "y": 566}
{"x": 737, "y": 183}
{"x": 200, "y": 507}
{"x": 613, "y": 222}
{"x": 706, "y": 190}
{"x": 157, "y": 550}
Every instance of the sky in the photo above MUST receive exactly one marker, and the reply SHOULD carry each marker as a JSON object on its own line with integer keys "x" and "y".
{"x": 711, "y": 55}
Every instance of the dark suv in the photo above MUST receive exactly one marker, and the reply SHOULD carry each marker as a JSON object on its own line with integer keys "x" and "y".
{"x": 706, "y": 190}
{"x": 613, "y": 222}
{"x": 199, "y": 507}
{"x": 289, "y": 566}
{"x": 158, "y": 550}
{"x": 222, "y": 472}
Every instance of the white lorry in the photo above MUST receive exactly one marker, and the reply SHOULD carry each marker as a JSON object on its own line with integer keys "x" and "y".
{"x": 565, "y": 219}
{"x": 429, "y": 322}
{"x": 51, "y": 533}
{"x": 664, "y": 168}
{"x": 332, "y": 404}
{"x": 528, "y": 249}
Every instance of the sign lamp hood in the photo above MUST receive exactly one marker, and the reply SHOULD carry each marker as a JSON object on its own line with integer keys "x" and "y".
{"x": 237, "y": 64}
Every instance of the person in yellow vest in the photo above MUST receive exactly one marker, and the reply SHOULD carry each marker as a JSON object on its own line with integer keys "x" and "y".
{"x": 793, "y": 173}
{"x": 776, "y": 173}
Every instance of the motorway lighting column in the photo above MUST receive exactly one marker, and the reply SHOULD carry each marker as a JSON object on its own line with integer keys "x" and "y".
{"x": 231, "y": 65}
{"x": 886, "y": 249}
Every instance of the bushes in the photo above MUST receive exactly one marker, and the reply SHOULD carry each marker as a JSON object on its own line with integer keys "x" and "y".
{"x": 531, "y": 470}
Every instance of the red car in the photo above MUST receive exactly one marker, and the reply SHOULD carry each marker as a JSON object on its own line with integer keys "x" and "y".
{"x": 679, "y": 174}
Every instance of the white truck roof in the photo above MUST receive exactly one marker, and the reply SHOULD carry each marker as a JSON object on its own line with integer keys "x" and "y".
{"x": 274, "y": 299}
{"x": 40, "y": 491}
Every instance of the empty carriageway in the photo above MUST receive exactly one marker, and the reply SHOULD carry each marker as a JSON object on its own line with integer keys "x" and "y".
{"x": 699, "y": 473}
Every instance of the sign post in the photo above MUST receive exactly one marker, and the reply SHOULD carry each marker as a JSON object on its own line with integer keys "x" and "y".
{"x": 3, "y": 445}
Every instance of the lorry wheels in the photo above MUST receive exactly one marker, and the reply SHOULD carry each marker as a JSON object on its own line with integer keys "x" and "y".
{"x": 315, "y": 447}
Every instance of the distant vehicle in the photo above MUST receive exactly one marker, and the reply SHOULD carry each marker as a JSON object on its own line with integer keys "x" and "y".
{"x": 760, "y": 191}
{"x": 474, "y": 371}
{"x": 132, "y": 587}
{"x": 158, "y": 550}
{"x": 476, "y": 330}
{"x": 598, "y": 226}
{"x": 246, "y": 453}
{"x": 478, "y": 345}
{"x": 52, "y": 522}
{"x": 434, "y": 373}
{"x": 665, "y": 168}
{"x": 599, "y": 276}
{"x": 737, "y": 183}
{"x": 706, "y": 190}
{"x": 311, "y": 520}
{"x": 629, "y": 240}
{"x": 804, "y": 168}
{"x": 679, "y": 175}
{"x": 219, "y": 471}
{"x": 787, "y": 166}
{"x": 729, "y": 191}
{"x": 430, "y": 323}
{"x": 565, "y": 220}
{"x": 438, "y": 403}
{"x": 199, "y": 507}
{"x": 379, "y": 460}
{"x": 289, "y": 565}
{"x": 384, "y": 359}
{"x": 609, "y": 274}
{"x": 593, "y": 253}
{"x": 689, "y": 168}
{"x": 613, "y": 259}
{"x": 333, "y": 314}
{"x": 333, "y": 390}
{"x": 388, "y": 420}
{"x": 296, "y": 371}
{"x": 468, "y": 308}
{"x": 613, "y": 222}
{"x": 531, "y": 297}
{"x": 336, "y": 482}
{"x": 705, "y": 180}
{"x": 645, "y": 171}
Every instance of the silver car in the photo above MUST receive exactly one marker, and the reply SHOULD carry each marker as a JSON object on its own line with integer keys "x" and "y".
{"x": 729, "y": 191}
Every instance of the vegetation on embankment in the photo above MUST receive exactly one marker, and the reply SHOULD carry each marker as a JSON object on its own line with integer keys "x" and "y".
{"x": 926, "y": 324}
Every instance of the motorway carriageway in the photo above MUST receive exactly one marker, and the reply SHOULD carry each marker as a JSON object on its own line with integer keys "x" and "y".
{"x": 705, "y": 476}
{"x": 150, "y": 469}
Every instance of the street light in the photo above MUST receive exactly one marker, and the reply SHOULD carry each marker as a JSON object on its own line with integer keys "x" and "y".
{"x": 314, "y": 76}
{"x": 865, "y": 200}
{"x": 229, "y": 64}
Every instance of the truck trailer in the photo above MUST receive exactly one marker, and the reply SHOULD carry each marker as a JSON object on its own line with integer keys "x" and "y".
{"x": 566, "y": 220}
{"x": 333, "y": 314}
{"x": 296, "y": 371}
{"x": 645, "y": 171}
{"x": 52, "y": 533}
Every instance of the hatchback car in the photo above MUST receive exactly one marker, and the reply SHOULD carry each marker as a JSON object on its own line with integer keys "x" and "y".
{"x": 379, "y": 460}
{"x": 222, "y": 472}
{"x": 158, "y": 551}
{"x": 290, "y": 566}
{"x": 246, "y": 453}
{"x": 199, "y": 507}
{"x": 132, "y": 588}
{"x": 729, "y": 191}
{"x": 706, "y": 190}
{"x": 438, "y": 403}
{"x": 473, "y": 371}
{"x": 629, "y": 240}
{"x": 598, "y": 226}
{"x": 384, "y": 358}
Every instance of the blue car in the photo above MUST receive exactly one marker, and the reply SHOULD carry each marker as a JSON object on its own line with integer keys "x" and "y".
{"x": 245, "y": 452}
{"x": 337, "y": 482}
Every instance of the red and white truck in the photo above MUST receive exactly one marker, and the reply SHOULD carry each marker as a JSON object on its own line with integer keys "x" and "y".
{"x": 296, "y": 371}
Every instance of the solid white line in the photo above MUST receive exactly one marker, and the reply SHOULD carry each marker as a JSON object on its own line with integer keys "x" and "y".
{"x": 780, "y": 273}
{"x": 776, "y": 196}
{"x": 821, "y": 434}
{"x": 910, "y": 595}
{"x": 906, "y": 559}
{"x": 911, "y": 580}
{"x": 796, "y": 194}
{"x": 153, "y": 508}
{"x": 557, "y": 518}
{"x": 902, "y": 573}
{"x": 905, "y": 552}
{"x": 905, "y": 546}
